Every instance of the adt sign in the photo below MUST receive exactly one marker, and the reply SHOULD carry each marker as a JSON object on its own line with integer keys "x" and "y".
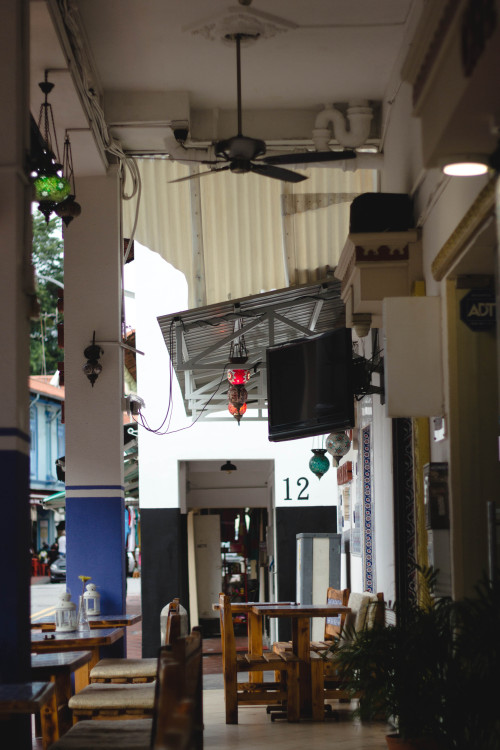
{"x": 478, "y": 309}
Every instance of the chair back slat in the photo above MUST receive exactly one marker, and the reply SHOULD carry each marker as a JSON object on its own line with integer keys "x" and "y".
{"x": 178, "y": 722}
{"x": 333, "y": 625}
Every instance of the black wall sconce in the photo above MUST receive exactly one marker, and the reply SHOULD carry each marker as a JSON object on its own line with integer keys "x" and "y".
{"x": 92, "y": 367}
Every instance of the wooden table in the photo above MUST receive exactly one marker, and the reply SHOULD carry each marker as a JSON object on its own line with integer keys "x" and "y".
{"x": 25, "y": 698}
{"x": 310, "y": 701}
{"x": 48, "y": 624}
{"x": 43, "y": 643}
{"x": 57, "y": 668}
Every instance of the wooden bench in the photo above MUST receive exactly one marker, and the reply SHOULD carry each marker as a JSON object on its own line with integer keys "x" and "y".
{"x": 135, "y": 671}
{"x": 117, "y": 690}
{"x": 176, "y": 723}
{"x": 284, "y": 692}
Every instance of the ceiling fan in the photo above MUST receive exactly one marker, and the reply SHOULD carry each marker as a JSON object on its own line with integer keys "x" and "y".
{"x": 242, "y": 154}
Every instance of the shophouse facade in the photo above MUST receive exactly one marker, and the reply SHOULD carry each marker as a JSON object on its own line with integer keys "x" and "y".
{"x": 420, "y": 294}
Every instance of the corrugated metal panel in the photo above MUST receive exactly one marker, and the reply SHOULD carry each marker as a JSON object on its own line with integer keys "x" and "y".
{"x": 205, "y": 333}
{"x": 250, "y": 225}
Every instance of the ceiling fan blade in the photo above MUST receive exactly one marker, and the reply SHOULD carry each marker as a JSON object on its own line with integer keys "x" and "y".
{"x": 198, "y": 174}
{"x": 277, "y": 173}
{"x": 309, "y": 157}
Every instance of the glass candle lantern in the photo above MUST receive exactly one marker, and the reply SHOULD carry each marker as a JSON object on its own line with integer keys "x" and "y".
{"x": 66, "y": 614}
{"x": 92, "y": 600}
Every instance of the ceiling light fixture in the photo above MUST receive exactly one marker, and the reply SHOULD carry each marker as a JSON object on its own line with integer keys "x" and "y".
{"x": 465, "y": 165}
{"x": 228, "y": 467}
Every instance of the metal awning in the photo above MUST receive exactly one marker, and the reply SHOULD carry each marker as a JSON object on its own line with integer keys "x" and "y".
{"x": 199, "y": 340}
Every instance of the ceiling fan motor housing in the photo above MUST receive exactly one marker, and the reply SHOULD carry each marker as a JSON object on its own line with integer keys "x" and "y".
{"x": 240, "y": 147}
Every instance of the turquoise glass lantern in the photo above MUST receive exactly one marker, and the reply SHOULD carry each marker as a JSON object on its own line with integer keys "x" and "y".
{"x": 319, "y": 464}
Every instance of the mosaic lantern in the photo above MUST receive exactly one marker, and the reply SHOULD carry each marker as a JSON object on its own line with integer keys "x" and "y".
{"x": 337, "y": 445}
{"x": 319, "y": 463}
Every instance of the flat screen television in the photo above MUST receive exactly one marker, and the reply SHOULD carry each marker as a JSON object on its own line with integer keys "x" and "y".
{"x": 310, "y": 386}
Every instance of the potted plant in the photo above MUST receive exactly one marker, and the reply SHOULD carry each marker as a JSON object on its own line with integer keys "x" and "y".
{"x": 399, "y": 670}
{"x": 427, "y": 673}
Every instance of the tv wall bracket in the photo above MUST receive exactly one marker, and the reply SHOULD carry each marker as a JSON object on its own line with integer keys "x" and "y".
{"x": 362, "y": 371}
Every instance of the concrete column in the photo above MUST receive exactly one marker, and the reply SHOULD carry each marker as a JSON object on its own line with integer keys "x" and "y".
{"x": 95, "y": 526}
{"x": 16, "y": 290}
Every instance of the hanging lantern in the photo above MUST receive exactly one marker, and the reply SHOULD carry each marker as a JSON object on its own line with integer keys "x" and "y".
{"x": 319, "y": 463}
{"x": 237, "y": 411}
{"x": 50, "y": 185}
{"x": 238, "y": 377}
{"x": 337, "y": 445}
{"x": 237, "y": 399}
{"x": 68, "y": 209}
{"x": 66, "y": 614}
{"x": 92, "y": 600}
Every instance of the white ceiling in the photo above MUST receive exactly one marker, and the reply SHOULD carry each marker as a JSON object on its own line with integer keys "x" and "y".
{"x": 158, "y": 45}
{"x": 152, "y": 64}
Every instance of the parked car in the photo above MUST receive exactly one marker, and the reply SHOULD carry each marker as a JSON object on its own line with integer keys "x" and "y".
{"x": 58, "y": 570}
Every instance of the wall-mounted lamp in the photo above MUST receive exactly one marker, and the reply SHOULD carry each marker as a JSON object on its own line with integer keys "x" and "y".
{"x": 465, "y": 165}
{"x": 228, "y": 467}
{"x": 92, "y": 367}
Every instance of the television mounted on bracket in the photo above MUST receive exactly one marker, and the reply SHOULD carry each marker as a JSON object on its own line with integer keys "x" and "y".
{"x": 312, "y": 384}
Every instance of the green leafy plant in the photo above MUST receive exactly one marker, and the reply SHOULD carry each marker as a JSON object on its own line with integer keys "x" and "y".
{"x": 427, "y": 673}
{"x": 48, "y": 261}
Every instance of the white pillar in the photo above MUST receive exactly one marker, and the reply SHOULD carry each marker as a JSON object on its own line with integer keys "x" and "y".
{"x": 93, "y": 414}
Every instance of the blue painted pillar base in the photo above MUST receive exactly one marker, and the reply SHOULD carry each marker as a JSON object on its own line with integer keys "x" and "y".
{"x": 15, "y": 654}
{"x": 95, "y": 533}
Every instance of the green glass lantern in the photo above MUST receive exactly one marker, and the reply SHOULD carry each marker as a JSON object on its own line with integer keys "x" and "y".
{"x": 51, "y": 187}
{"x": 319, "y": 464}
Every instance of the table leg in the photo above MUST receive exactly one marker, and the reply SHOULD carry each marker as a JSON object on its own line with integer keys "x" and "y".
{"x": 63, "y": 694}
{"x": 82, "y": 675}
{"x": 254, "y": 624}
{"x": 49, "y": 721}
{"x": 301, "y": 638}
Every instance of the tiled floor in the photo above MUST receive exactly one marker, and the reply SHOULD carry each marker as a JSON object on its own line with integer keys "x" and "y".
{"x": 256, "y": 730}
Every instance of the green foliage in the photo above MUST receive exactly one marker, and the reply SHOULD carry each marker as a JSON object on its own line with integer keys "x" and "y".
{"x": 49, "y": 262}
{"x": 431, "y": 671}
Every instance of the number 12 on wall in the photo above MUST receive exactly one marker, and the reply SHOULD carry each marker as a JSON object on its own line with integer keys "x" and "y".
{"x": 302, "y": 484}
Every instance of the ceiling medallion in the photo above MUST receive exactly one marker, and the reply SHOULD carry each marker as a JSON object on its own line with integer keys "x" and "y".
{"x": 249, "y": 23}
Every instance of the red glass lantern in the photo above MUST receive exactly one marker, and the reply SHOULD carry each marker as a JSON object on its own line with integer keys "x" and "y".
{"x": 237, "y": 411}
{"x": 238, "y": 377}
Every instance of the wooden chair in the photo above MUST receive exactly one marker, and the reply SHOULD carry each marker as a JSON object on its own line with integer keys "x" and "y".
{"x": 285, "y": 691}
{"x": 177, "y": 719}
{"x": 367, "y": 611}
{"x": 117, "y": 697}
{"x": 137, "y": 671}
{"x": 333, "y": 625}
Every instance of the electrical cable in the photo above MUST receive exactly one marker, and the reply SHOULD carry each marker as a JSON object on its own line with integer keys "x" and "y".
{"x": 142, "y": 421}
